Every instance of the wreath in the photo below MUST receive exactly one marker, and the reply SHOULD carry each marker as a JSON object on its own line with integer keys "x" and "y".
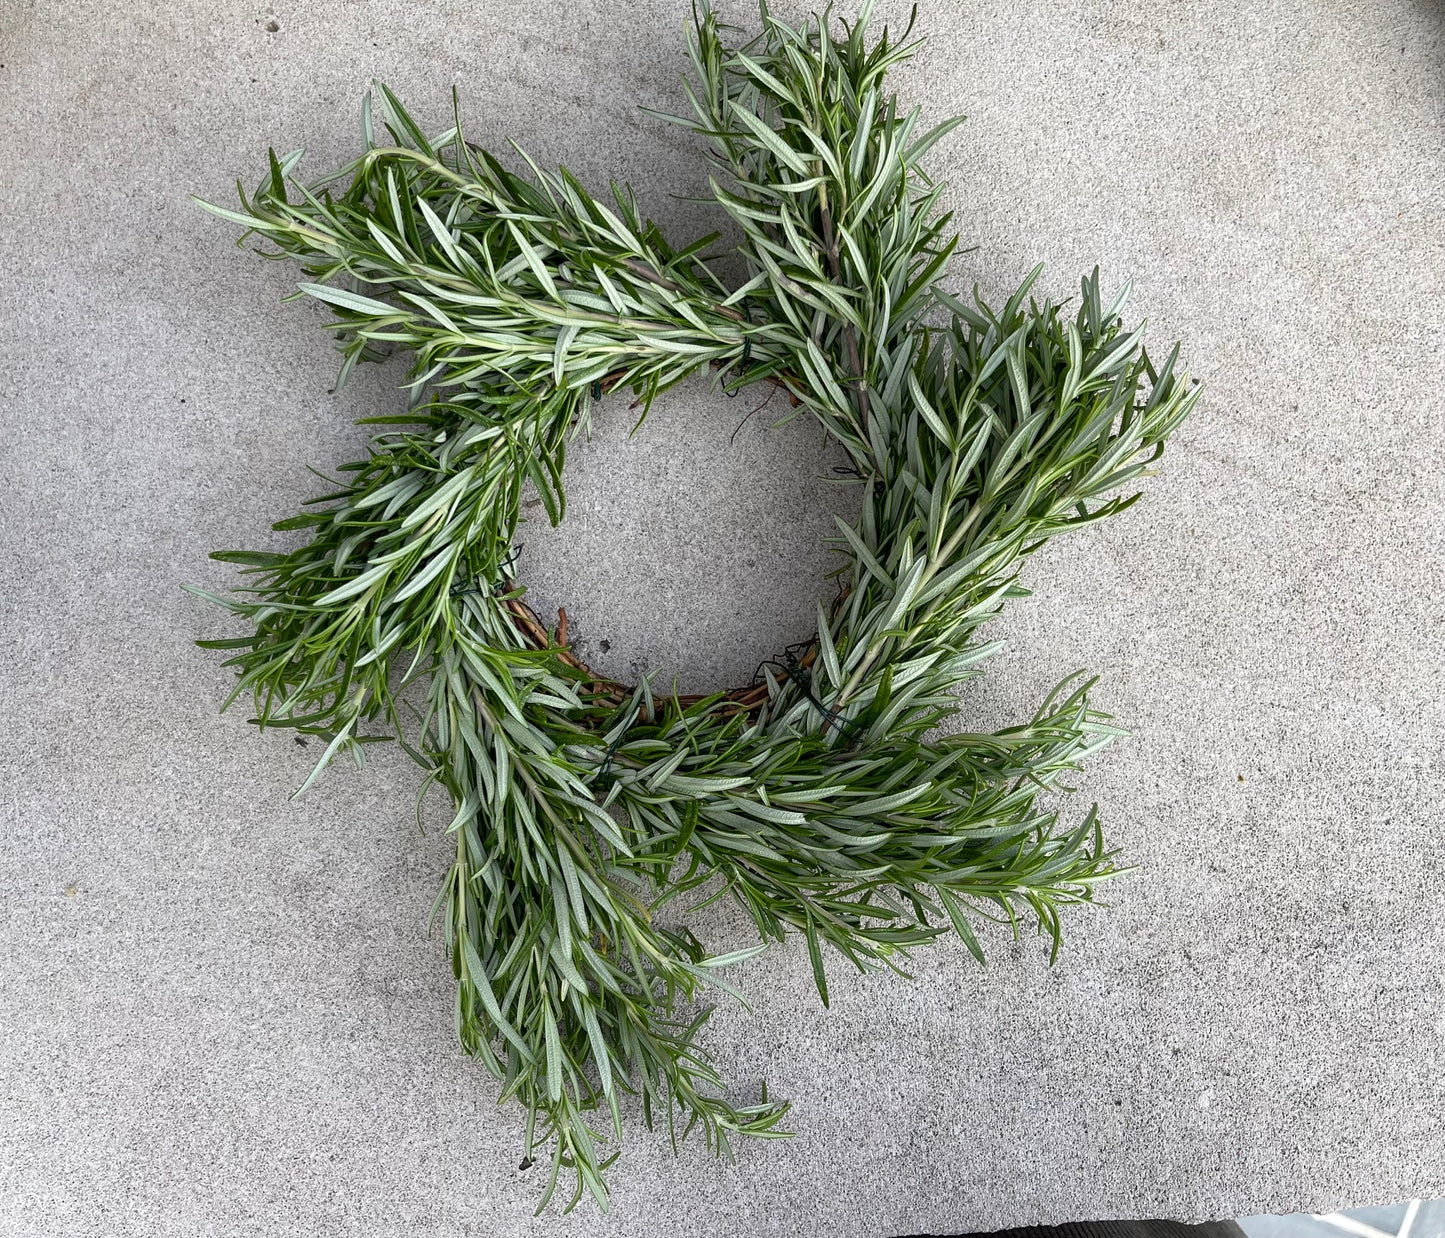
{"x": 824, "y": 797}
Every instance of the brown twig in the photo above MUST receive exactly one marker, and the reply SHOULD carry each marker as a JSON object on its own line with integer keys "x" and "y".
{"x": 850, "y": 337}
{"x": 748, "y": 699}
{"x": 643, "y": 271}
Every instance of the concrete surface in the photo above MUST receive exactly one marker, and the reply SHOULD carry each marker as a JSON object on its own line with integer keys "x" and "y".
{"x": 220, "y": 1012}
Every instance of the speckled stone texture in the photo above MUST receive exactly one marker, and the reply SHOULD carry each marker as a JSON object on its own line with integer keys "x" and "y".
{"x": 221, "y": 1013}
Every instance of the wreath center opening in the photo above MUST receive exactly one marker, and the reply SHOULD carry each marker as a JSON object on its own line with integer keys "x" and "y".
{"x": 695, "y": 546}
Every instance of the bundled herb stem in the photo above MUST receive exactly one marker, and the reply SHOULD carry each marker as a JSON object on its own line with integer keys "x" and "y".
{"x": 825, "y": 799}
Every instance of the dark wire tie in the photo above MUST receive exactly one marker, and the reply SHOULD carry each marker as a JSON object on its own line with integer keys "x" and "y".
{"x": 477, "y": 585}
{"x": 747, "y": 352}
{"x": 803, "y": 677}
{"x": 604, "y": 776}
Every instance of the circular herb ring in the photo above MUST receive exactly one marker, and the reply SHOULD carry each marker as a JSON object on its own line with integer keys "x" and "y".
{"x": 836, "y": 799}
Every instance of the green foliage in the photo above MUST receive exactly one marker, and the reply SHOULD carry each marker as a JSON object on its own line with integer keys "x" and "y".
{"x": 826, "y": 802}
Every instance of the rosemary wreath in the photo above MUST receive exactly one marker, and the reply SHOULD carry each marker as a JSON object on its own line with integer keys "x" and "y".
{"x": 823, "y": 798}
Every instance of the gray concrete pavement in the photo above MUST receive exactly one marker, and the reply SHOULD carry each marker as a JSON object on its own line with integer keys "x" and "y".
{"x": 220, "y": 1012}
